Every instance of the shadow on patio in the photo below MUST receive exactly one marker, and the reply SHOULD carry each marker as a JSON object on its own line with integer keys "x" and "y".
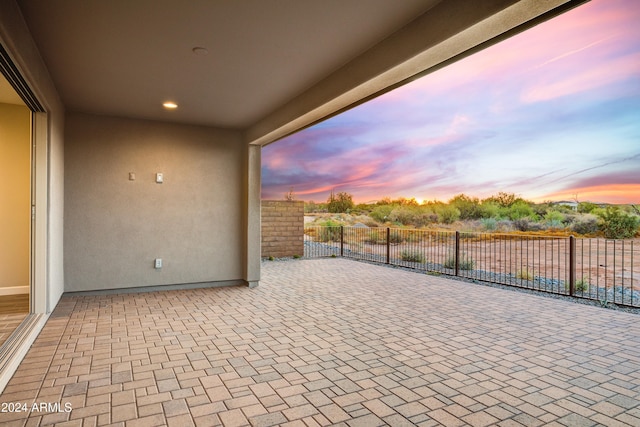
{"x": 331, "y": 341}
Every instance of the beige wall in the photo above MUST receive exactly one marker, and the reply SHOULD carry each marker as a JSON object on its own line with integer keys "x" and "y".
{"x": 116, "y": 227}
{"x": 15, "y": 195}
{"x": 282, "y": 228}
{"x": 16, "y": 39}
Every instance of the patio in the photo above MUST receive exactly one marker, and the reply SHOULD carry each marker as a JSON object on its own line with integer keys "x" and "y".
{"x": 330, "y": 342}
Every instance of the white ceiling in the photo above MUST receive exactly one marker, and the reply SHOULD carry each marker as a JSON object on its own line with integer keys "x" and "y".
{"x": 125, "y": 57}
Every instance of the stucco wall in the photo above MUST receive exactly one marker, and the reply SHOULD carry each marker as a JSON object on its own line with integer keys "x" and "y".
{"x": 115, "y": 227}
{"x": 282, "y": 228}
{"x": 15, "y": 196}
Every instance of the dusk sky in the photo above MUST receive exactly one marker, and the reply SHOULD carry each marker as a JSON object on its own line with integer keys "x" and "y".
{"x": 550, "y": 114}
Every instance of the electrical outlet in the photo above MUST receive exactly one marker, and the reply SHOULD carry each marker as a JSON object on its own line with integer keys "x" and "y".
{"x": 158, "y": 263}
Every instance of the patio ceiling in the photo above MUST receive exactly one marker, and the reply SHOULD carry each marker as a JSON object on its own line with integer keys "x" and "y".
{"x": 267, "y": 63}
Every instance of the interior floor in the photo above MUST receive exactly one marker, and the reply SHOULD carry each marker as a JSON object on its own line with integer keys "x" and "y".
{"x": 13, "y": 309}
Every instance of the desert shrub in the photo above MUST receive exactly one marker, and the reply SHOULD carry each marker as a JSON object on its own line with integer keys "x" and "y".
{"x": 447, "y": 214}
{"x": 522, "y": 224}
{"x": 586, "y": 207}
{"x": 541, "y": 209}
{"x": 465, "y": 262}
{"x": 554, "y": 219}
{"x": 396, "y": 236}
{"x": 587, "y": 224}
{"x": 526, "y": 224}
{"x": 381, "y": 213}
{"x": 402, "y": 214}
{"x": 376, "y": 237}
{"x": 469, "y": 207}
{"x": 505, "y": 225}
{"x": 412, "y": 256}
{"x": 525, "y": 274}
{"x": 490, "y": 209}
{"x": 616, "y": 224}
{"x": 425, "y": 217}
{"x": 329, "y": 231}
{"x": 341, "y": 202}
{"x": 582, "y": 285}
{"x": 414, "y": 236}
{"x": 489, "y": 224}
{"x": 520, "y": 209}
{"x": 503, "y": 199}
{"x": 370, "y": 223}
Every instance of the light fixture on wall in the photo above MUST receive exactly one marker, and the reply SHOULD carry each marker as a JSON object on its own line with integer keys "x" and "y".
{"x": 170, "y": 105}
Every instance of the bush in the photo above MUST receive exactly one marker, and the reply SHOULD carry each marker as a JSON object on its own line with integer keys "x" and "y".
{"x": 469, "y": 207}
{"x": 525, "y": 274}
{"x": 526, "y": 224}
{"x": 447, "y": 214}
{"x": 520, "y": 209}
{"x": 329, "y": 232}
{"x": 489, "y": 209}
{"x": 396, "y": 236}
{"x": 616, "y": 224}
{"x": 587, "y": 224}
{"x": 376, "y": 237}
{"x": 582, "y": 285}
{"x": 341, "y": 202}
{"x": 412, "y": 256}
{"x": 381, "y": 213}
{"x": 586, "y": 207}
{"x": 465, "y": 262}
{"x": 489, "y": 224}
{"x": 522, "y": 224}
{"x": 403, "y": 214}
{"x": 554, "y": 219}
{"x": 424, "y": 217}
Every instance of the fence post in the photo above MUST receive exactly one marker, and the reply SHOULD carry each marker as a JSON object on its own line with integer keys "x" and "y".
{"x": 342, "y": 240}
{"x": 457, "y": 253}
{"x": 388, "y": 235}
{"x": 572, "y": 265}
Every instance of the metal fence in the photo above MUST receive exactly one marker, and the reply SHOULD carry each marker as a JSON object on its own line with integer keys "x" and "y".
{"x": 600, "y": 269}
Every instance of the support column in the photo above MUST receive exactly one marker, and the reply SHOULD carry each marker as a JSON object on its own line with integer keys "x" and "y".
{"x": 253, "y": 242}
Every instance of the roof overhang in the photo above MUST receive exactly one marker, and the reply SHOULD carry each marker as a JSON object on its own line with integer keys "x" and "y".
{"x": 272, "y": 67}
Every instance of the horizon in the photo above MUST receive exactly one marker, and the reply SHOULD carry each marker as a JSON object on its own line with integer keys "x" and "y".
{"x": 561, "y": 122}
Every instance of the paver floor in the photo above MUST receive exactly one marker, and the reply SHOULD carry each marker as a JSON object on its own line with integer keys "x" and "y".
{"x": 330, "y": 342}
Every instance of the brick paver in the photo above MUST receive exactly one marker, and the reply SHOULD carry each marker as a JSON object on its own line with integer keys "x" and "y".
{"x": 330, "y": 342}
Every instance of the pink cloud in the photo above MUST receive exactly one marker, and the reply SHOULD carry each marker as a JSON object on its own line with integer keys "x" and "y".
{"x": 588, "y": 79}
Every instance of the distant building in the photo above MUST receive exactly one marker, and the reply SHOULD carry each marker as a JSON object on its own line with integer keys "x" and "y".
{"x": 573, "y": 205}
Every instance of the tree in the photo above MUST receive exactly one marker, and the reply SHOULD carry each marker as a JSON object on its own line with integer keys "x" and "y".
{"x": 586, "y": 207}
{"x": 341, "y": 202}
{"x": 469, "y": 207}
{"x": 617, "y": 224}
{"x": 504, "y": 199}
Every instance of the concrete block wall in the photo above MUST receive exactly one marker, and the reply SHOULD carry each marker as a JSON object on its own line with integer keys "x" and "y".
{"x": 282, "y": 228}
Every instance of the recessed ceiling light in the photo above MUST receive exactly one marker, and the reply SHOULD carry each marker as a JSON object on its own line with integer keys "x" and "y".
{"x": 170, "y": 105}
{"x": 200, "y": 51}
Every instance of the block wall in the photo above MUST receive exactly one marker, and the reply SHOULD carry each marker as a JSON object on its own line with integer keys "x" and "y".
{"x": 282, "y": 228}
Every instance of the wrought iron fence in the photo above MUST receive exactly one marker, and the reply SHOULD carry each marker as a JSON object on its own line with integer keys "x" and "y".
{"x": 599, "y": 269}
